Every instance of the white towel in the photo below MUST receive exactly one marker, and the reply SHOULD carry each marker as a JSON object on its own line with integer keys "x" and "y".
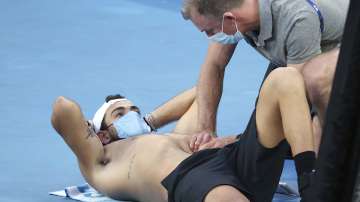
{"x": 82, "y": 193}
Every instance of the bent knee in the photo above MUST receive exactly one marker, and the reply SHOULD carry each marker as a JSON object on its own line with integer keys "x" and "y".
{"x": 284, "y": 80}
{"x": 225, "y": 193}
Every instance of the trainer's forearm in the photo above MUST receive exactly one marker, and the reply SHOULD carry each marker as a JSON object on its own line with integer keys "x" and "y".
{"x": 209, "y": 91}
{"x": 210, "y": 84}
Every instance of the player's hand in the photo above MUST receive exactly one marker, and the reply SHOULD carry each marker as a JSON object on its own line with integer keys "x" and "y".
{"x": 213, "y": 143}
{"x": 199, "y": 139}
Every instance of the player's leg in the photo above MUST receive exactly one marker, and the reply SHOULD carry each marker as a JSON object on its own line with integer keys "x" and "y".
{"x": 283, "y": 112}
{"x": 225, "y": 193}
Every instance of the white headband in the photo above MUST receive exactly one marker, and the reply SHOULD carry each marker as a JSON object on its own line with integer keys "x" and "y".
{"x": 100, "y": 113}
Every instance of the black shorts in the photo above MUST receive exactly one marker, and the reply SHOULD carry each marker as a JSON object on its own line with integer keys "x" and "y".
{"x": 245, "y": 165}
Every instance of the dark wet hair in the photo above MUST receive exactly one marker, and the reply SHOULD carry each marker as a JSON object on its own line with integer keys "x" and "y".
{"x": 113, "y": 97}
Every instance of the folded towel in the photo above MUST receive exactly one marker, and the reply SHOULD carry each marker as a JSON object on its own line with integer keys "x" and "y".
{"x": 86, "y": 193}
{"x": 83, "y": 193}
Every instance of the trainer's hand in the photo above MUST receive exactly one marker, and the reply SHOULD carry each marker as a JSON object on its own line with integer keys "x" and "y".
{"x": 199, "y": 139}
{"x": 214, "y": 143}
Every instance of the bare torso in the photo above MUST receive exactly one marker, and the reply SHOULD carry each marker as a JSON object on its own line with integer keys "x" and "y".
{"x": 134, "y": 168}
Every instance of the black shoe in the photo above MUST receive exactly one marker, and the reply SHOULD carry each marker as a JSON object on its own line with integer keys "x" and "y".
{"x": 304, "y": 182}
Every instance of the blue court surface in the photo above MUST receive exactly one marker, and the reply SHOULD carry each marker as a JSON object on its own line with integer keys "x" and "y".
{"x": 85, "y": 50}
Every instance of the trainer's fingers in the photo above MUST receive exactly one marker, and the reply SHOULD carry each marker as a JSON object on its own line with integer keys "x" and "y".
{"x": 206, "y": 139}
{"x": 198, "y": 141}
{"x": 219, "y": 144}
{"x": 192, "y": 143}
{"x": 207, "y": 145}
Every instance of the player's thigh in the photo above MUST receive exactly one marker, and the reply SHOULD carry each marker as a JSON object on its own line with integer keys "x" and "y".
{"x": 188, "y": 122}
{"x": 225, "y": 193}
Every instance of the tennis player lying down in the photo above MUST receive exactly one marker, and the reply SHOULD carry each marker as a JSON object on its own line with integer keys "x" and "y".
{"x": 160, "y": 168}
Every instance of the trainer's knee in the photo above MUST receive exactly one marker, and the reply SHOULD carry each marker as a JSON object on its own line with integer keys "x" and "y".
{"x": 225, "y": 193}
{"x": 285, "y": 80}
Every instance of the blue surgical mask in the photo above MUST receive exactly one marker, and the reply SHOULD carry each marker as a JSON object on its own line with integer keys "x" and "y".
{"x": 131, "y": 124}
{"x": 223, "y": 38}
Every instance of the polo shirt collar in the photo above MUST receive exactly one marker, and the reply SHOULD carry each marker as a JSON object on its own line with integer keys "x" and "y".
{"x": 265, "y": 21}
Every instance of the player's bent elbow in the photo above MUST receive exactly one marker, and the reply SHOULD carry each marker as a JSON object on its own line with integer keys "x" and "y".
{"x": 61, "y": 107}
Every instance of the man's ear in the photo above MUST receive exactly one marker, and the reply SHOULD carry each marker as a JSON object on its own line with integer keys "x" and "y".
{"x": 229, "y": 16}
{"x": 229, "y": 24}
{"x": 104, "y": 137}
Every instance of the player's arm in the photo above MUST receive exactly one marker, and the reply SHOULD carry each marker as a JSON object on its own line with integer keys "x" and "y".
{"x": 173, "y": 109}
{"x": 68, "y": 120}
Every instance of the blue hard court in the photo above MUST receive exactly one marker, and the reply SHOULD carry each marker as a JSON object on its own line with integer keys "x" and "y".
{"x": 85, "y": 50}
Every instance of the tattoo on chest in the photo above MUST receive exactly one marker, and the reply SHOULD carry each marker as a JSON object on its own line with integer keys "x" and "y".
{"x": 130, "y": 165}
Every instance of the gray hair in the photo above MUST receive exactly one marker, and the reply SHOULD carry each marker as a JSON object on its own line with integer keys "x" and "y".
{"x": 210, "y": 8}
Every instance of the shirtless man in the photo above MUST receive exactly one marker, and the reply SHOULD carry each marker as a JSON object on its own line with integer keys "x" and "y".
{"x": 160, "y": 168}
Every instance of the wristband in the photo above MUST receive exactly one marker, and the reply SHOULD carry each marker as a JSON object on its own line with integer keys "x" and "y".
{"x": 149, "y": 120}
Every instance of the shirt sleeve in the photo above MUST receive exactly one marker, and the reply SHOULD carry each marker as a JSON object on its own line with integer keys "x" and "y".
{"x": 304, "y": 38}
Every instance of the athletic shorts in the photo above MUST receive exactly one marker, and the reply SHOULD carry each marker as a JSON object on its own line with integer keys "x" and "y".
{"x": 245, "y": 165}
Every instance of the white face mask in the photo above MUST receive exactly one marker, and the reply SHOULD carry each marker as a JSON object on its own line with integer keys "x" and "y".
{"x": 223, "y": 38}
{"x": 131, "y": 124}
